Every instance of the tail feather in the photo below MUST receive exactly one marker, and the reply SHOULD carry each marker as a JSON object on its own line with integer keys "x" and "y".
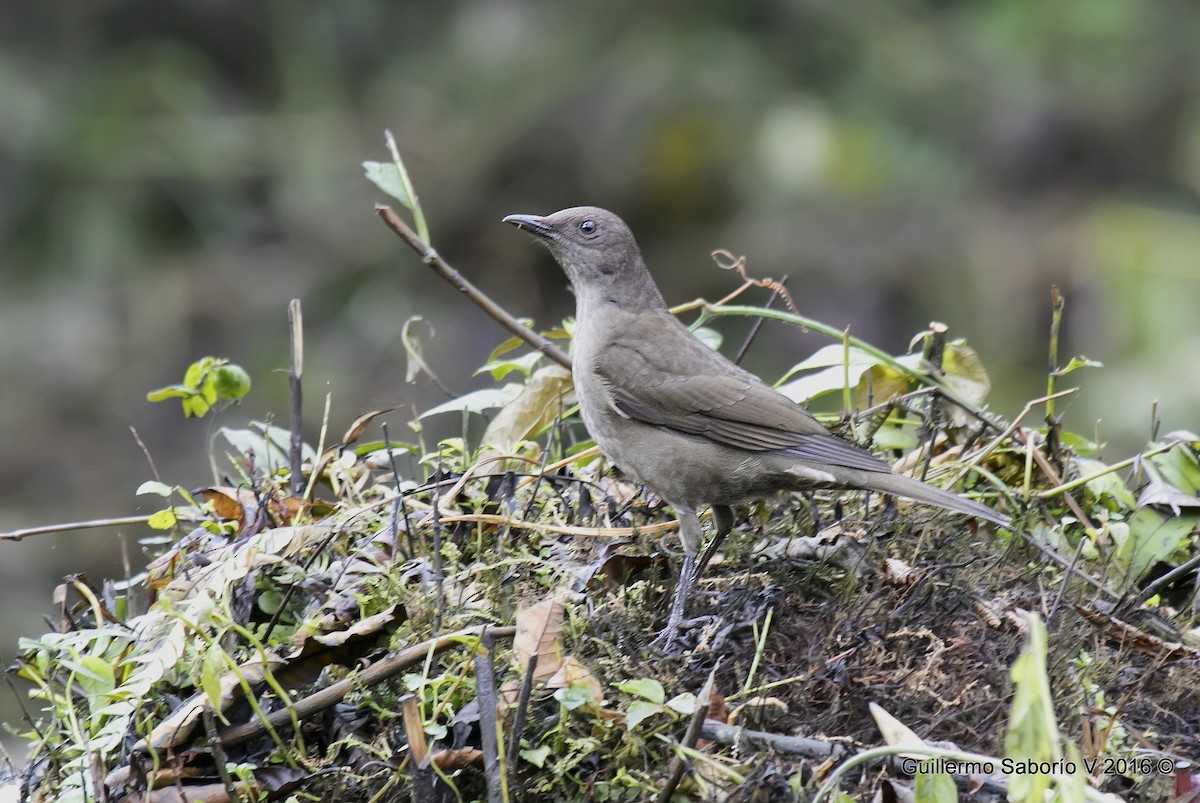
{"x": 899, "y": 485}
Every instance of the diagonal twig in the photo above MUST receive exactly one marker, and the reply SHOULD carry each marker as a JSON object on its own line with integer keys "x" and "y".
{"x": 431, "y": 258}
{"x": 678, "y": 765}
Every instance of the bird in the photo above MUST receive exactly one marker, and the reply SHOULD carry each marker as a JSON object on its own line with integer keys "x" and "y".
{"x": 680, "y": 418}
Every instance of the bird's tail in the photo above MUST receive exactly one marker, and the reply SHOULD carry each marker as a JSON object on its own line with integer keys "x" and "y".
{"x": 899, "y": 485}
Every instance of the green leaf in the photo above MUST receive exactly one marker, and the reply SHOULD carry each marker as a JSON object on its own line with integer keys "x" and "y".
{"x": 208, "y": 389}
{"x": 1152, "y": 537}
{"x": 880, "y": 383}
{"x": 197, "y": 371}
{"x": 646, "y": 688}
{"x": 513, "y": 342}
{"x": 269, "y": 600}
{"x": 477, "y": 401}
{"x": 263, "y": 449}
{"x": 386, "y": 176}
{"x": 232, "y": 382}
{"x": 93, "y": 674}
{"x": 1179, "y": 468}
{"x": 1110, "y": 484}
{"x": 829, "y": 372}
{"x": 895, "y": 437}
{"x": 153, "y": 487}
{"x": 639, "y": 710}
{"x": 935, "y": 787}
{"x": 169, "y": 392}
{"x": 1076, "y": 363}
{"x": 1072, "y": 787}
{"x": 1032, "y": 730}
{"x": 574, "y": 696}
{"x": 536, "y": 756}
{"x": 683, "y": 703}
{"x": 195, "y": 407}
{"x": 211, "y": 670}
{"x": 501, "y": 368}
{"x": 964, "y": 372}
{"x": 1079, "y": 444}
{"x": 162, "y": 520}
{"x": 709, "y": 337}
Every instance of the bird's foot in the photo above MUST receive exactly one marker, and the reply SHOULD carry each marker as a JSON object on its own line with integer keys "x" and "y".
{"x": 666, "y": 639}
{"x": 665, "y": 642}
{"x": 669, "y": 643}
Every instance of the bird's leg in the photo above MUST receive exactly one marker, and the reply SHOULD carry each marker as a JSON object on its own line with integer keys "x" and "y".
{"x": 813, "y": 510}
{"x": 723, "y": 521}
{"x": 689, "y": 533}
{"x": 682, "y": 590}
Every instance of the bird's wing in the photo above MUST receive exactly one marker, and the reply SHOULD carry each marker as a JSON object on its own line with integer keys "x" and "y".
{"x": 680, "y": 384}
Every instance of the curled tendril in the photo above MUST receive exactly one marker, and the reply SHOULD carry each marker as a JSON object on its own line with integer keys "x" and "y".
{"x": 725, "y": 260}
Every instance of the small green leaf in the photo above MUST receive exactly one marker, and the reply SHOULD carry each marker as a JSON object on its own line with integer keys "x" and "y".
{"x": 211, "y": 670}
{"x": 709, "y": 337}
{"x": 501, "y": 368}
{"x": 197, "y": 371}
{"x": 536, "y": 756}
{"x": 513, "y": 342}
{"x": 169, "y": 392}
{"x": 1110, "y": 483}
{"x": 208, "y": 389}
{"x": 153, "y": 487}
{"x": 1076, "y": 363}
{"x": 574, "y": 696}
{"x": 386, "y": 176}
{"x": 891, "y": 436}
{"x": 935, "y": 787}
{"x": 1032, "y": 729}
{"x": 162, "y": 520}
{"x": 270, "y": 600}
{"x": 646, "y": 688}
{"x": 232, "y": 382}
{"x": 639, "y": 710}
{"x": 683, "y": 703}
{"x": 435, "y": 730}
{"x": 195, "y": 407}
{"x": 94, "y": 675}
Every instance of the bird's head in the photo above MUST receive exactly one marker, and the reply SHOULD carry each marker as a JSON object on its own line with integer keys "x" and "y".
{"x": 592, "y": 245}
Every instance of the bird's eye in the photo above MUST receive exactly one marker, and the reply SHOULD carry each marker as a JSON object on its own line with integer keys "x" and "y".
{"x": 588, "y": 227}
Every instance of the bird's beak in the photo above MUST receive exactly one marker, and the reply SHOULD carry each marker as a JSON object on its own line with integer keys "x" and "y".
{"x": 533, "y": 224}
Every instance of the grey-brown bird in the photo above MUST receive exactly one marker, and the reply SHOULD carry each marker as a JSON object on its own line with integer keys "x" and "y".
{"x": 678, "y": 416}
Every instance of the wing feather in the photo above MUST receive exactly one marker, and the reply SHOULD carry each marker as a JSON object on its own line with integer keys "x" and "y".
{"x": 691, "y": 389}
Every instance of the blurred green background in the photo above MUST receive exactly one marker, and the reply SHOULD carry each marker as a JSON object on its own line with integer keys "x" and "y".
{"x": 172, "y": 173}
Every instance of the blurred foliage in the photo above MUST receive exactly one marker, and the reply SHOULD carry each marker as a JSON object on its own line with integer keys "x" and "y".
{"x": 171, "y": 174}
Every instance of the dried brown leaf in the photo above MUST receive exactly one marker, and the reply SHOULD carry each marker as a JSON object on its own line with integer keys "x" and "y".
{"x": 539, "y": 628}
{"x": 535, "y": 407}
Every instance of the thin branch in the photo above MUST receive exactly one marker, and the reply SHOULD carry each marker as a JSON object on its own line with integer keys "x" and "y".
{"x": 758, "y": 322}
{"x": 815, "y": 749}
{"x": 376, "y": 673}
{"x": 514, "y": 738}
{"x": 430, "y": 257}
{"x": 66, "y": 527}
{"x": 489, "y": 725}
{"x": 678, "y": 765}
